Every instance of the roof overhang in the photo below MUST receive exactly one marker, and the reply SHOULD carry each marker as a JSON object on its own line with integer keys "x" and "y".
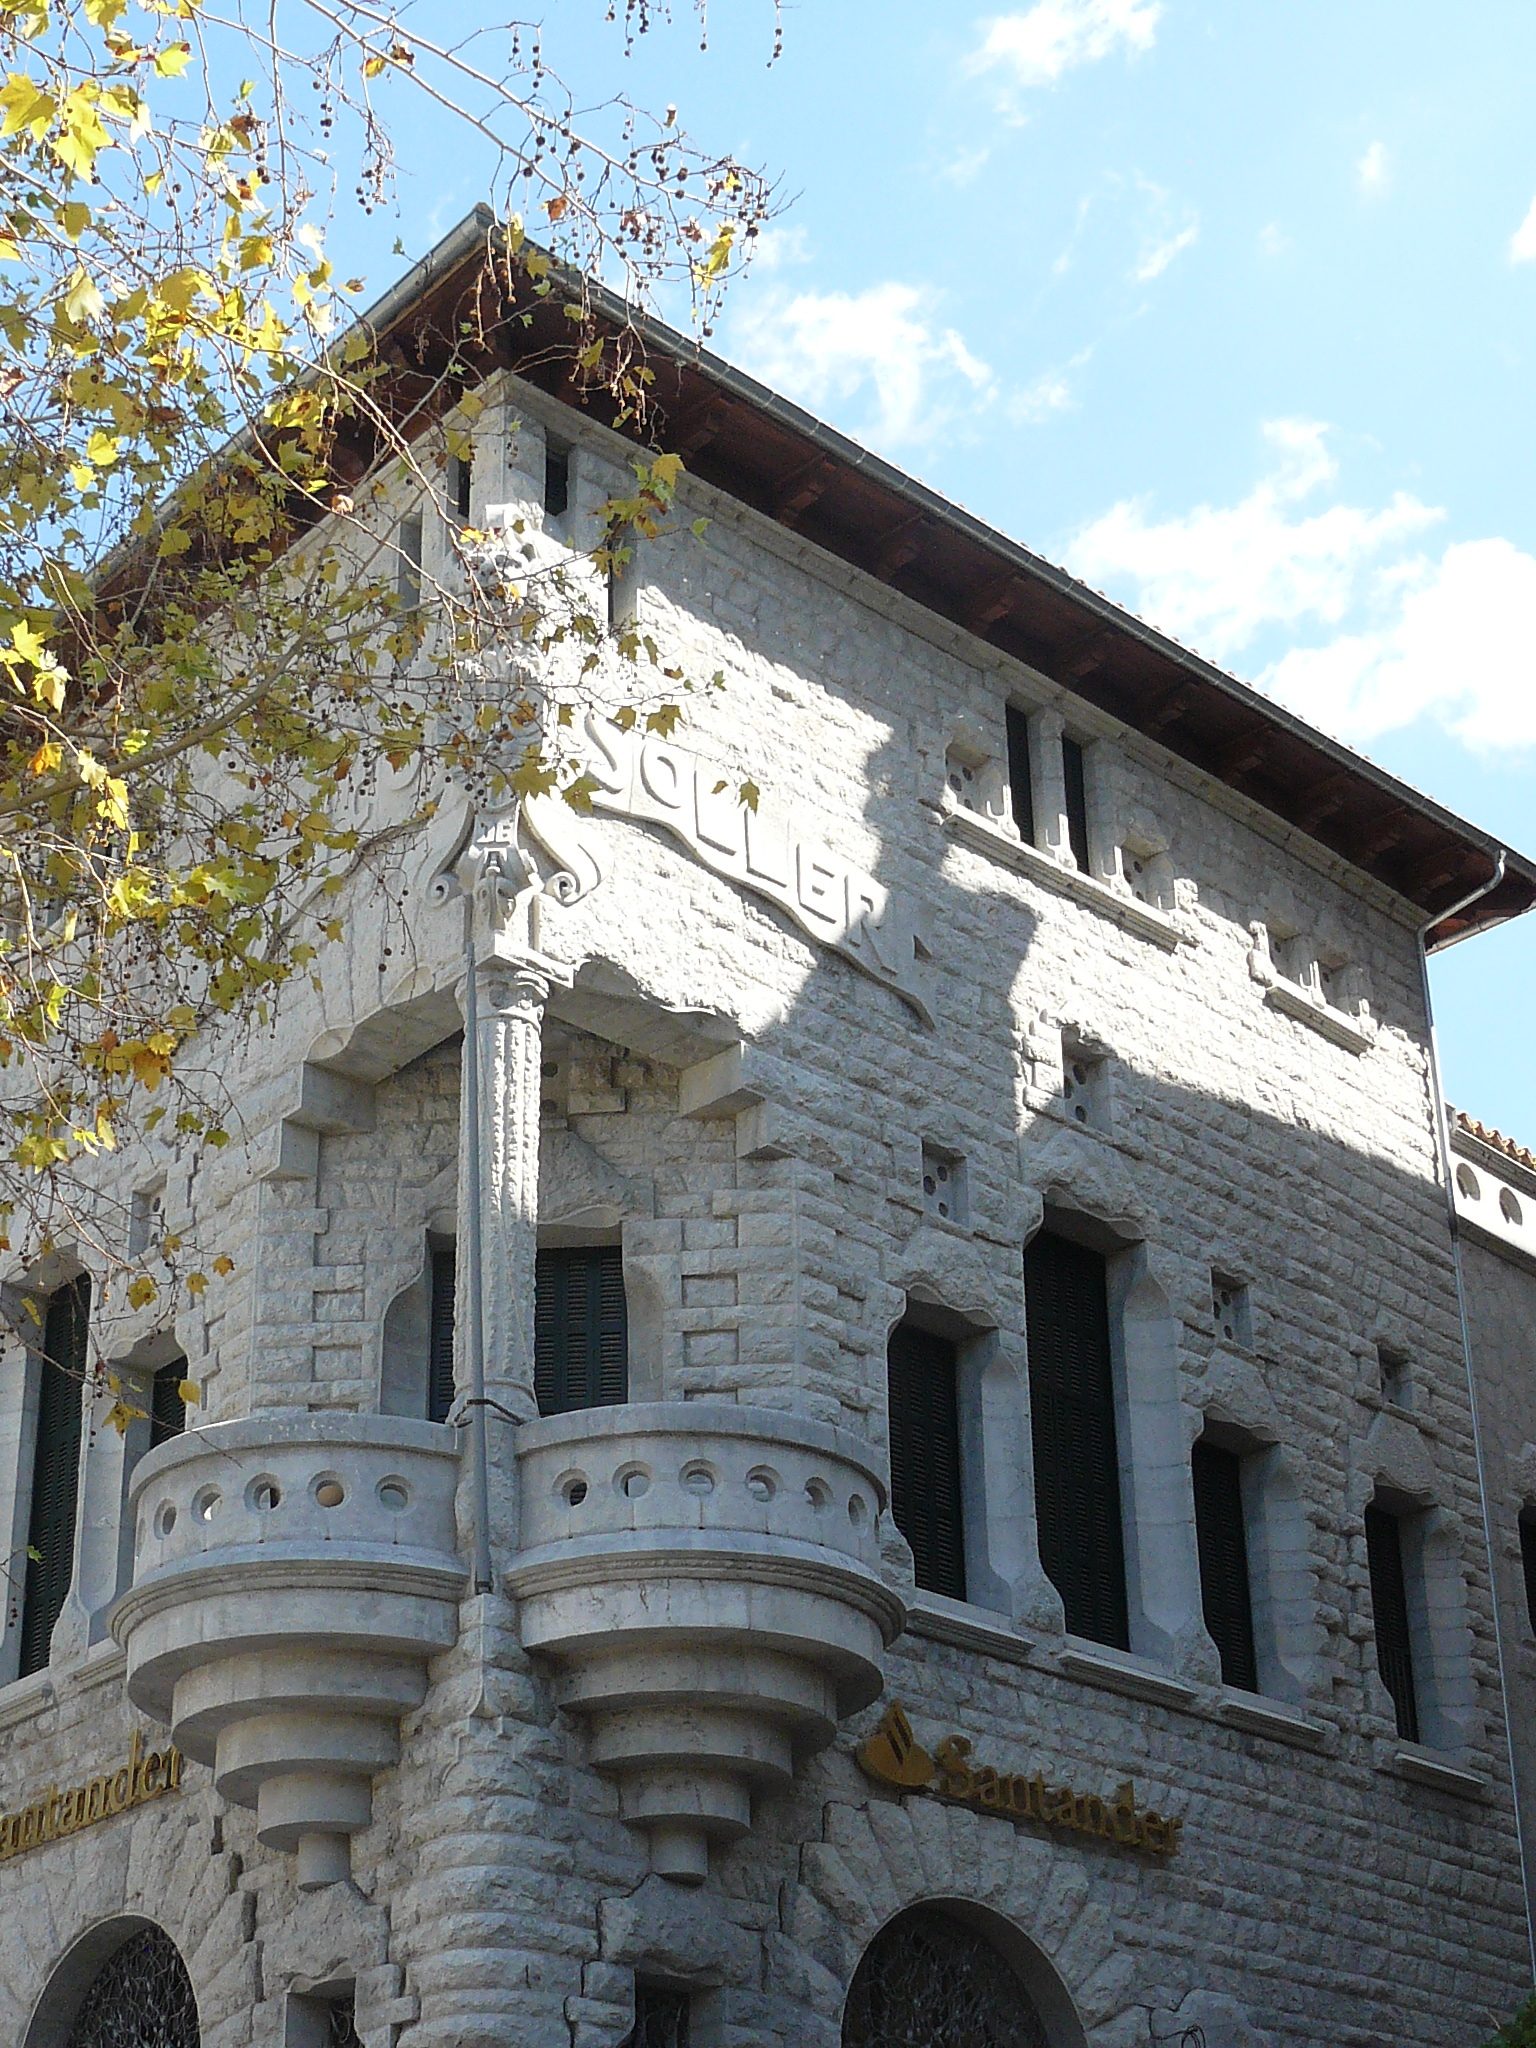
{"x": 455, "y": 307}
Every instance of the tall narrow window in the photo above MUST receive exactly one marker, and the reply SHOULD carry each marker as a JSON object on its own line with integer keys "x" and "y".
{"x": 925, "y": 1457}
{"x": 1072, "y": 1416}
{"x": 440, "y": 1337}
{"x": 55, "y": 1469}
{"x": 1528, "y": 1560}
{"x": 1020, "y": 788}
{"x": 1389, "y": 1600}
{"x": 1077, "y": 801}
{"x": 461, "y": 485}
{"x": 581, "y": 1334}
{"x": 1223, "y": 1548}
{"x": 408, "y": 561}
{"x": 167, "y": 1410}
{"x": 557, "y": 480}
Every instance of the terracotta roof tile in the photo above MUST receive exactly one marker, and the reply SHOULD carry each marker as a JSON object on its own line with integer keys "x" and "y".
{"x": 1496, "y": 1140}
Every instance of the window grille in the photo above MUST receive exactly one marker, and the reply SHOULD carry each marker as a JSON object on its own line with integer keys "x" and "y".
{"x": 1077, "y": 801}
{"x": 1528, "y": 1561}
{"x": 1389, "y": 1601}
{"x": 440, "y": 1340}
{"x": 581, "y": 1334}
{"x": 1223, "y": 1547}
{"x": 927, "y": 1981}
{"x": 1020, "y": 787}
{"x": 925, "y": 1458}
{"x": 141, "y": 1998}
{"x": 55, "y": 1469}
{"x": 167, "y": 1410}
{"x": 1072, "y": 1418}
{"x": 661, "y": 2019}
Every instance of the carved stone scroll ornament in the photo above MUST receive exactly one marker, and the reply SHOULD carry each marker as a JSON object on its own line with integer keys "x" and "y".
{"x": 494, "y": 863}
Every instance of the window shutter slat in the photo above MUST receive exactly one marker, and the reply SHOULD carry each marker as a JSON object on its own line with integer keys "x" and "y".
{"x": 1223, "y": 1547}
{"x": 167, "y": 1410}
{"x": 440, "y": 1341}
{"x": 581, "y": 1330}
{"x": 55, "y": 1470}
{"x": 925, "y": 1458}
{"x": 1077, "y": 1466}
{"x": 1389, "y": 1602}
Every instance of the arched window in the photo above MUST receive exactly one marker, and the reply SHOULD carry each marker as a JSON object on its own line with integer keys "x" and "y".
{"x": 929, "y": 1981}
{"x": 141, "y": 1997}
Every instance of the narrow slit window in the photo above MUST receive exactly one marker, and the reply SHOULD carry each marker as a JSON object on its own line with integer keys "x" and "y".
{"x": 1072, "y": 1420}
{"x": 1020, "y": 788}
{"x": 1223, "y": 1547}
{"x": 408, "y": 561}
{"x": 55, "y": 1470}
{"x": 1077, "y": 801}
{"x": 557, "y": 480}
{"x": 440, "y": 1340}
{"x": 461, "y": 486}
{"x": 581, "y": 1331}
{"x": 661, "y": 2019}
{"x": 1528, "y": 1561}
{"x": 1389, "y": 1600}
{"x": 167, "y": 1410}
{"x": 925, "y": 1457}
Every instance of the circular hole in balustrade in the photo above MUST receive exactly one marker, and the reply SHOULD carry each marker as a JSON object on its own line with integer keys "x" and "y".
{"x": 328, "y": 1490}
{"x": 206, "y": 1503}
{"x": 819, "y": 1494}
{"x": 856, "y": 1510}
{"x": 393, "y": 1494}
{"x": 762, "y": 1484}
{"x": 1509, "y": 1207}
{"x": 165, "y": 1518}
{"x": 697, "y": 1479}
{"x": 263, "y": 1494}
{"x": 573, "y": 1489}
{"x": 633, "y": 1481}
{"x": 1467, "y": 1181}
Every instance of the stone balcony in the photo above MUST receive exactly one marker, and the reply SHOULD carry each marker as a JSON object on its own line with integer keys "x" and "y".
{"x": 292, "y": 1576}
{"x": 703, "y": 1579}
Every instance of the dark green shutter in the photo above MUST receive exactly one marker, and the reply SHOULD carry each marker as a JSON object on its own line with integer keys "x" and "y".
{"x": 1528, "y": 1560}
{"x": 1072, "y": 1415}
{"x": 1223, "y": 1546}
{"x": 1019, "y": 785}
{"x": 440, "y": 1340}
{"x": 581, "y": 1332}
{"x": 925, "y": 1458}
{"x": 1389, "y": 1600}
{"x": 1077, "y": 801}
{"x": 55, "y": 1469}
{"x": 167, "y": 1410}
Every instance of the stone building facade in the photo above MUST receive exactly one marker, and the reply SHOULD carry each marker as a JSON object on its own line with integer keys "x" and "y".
{"x": 1011, "y": 1041}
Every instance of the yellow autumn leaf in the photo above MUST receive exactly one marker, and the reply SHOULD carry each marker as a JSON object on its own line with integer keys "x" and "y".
{"x": 83, "y": 298}
{"x": 373, "y": 67}
{"x": 102, "y": 449}
{"x": 141, "y": 1291}
{"x": 223, "y": 1264}
{"x": 173, "y": 60}
{"x": 188, "y": 1391}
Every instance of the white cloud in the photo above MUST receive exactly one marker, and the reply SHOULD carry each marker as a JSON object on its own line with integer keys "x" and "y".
{"x": 1048, "y": 394}
{"x": 1449, "y": 637}
{"x": 1156, "y": 259}
{"x": 831, "y": 348}
{"x": 1374, "y": 171}
{"x": 1036, "y": 48}
{"x": 1522, "y": 243}
{"x": 1273, "y": 240}
{"x": 778, "y": 248}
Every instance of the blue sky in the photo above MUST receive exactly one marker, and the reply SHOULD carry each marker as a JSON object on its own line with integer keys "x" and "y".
{"x": 1227, "y": 306}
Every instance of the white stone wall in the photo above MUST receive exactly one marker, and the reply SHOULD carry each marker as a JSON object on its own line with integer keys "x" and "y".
{"x": 770, "y": 1248}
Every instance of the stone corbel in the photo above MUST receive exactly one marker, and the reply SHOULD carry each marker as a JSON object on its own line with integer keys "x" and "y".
{"x": 321, "y": 1105}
